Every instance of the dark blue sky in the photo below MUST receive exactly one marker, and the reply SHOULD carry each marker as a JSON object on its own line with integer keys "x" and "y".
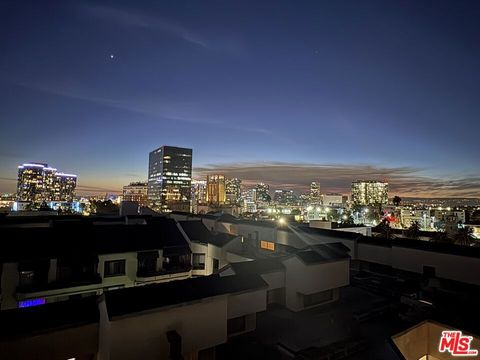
{"x": 251, "y": 86}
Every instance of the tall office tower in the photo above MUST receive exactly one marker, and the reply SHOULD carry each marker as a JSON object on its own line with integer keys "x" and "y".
{"x": 315, "y": 195}
{"x": 216, "y": 189}
{"x": 262, "y": 193}
{"x": 30, "y": 185}
{"x": 170, "y": 179}
{"x": 38, "y": 182}
{"x": 64, "y": 185}
{"x": 136, "y": 191}
{"x": 233, "y": 190}
{"x": 284, "y": 197}
{"x": 369, "y": 192}
{"x": 199, "y": 194}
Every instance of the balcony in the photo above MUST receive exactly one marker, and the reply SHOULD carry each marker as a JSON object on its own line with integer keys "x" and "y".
{"x": 149, "y": 274}
{"x": 84, "y": 280}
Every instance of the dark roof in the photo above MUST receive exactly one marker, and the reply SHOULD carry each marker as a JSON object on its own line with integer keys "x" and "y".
{"x": 198, "y": 232}
{"x": 328, "y": 232}
{"x": 321, "y": 253}
{"x": 141, "y": 298}
{"x": 339, "y": 246}
{"x": 49, "y": 317}
{"x": 84, "y": 238}
{"x": 262, "y": 266}
{"x": 444, "y": 248}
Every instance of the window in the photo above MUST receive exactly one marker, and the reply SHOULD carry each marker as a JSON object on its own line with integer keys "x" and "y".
{"x": 26, "y": 278}
{"x": 198, "y": 261}
{"x": 267, "y": 245}
{"x": 114, "y": 268}
{"x": 317, "y": 298}
{"x": 216, "y": 264}
{"x": 236, "y": 325}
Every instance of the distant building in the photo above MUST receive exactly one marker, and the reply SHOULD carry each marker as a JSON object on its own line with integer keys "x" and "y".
{"x": 262, "y": 193}
{"x": 315, "y": 195}
{"x": 199, "y": 194}
{"x": 233, "y": 190}
{"x": 170, "y": 179}
{"x": 369, "y": 192}
{"x": 333, "y": 199}
{"x": 38, "y": 183}
{"x": 136, "y": 191}
{"x": 284, "y": 197}
{"x": 216, "y": 194}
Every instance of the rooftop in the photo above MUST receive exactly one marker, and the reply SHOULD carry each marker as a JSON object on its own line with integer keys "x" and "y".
{"x": 142, "y": 298}
{"x": 49, "y": 317}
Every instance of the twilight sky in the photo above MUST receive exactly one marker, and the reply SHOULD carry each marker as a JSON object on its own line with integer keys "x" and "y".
{"x": 281, "y": 91}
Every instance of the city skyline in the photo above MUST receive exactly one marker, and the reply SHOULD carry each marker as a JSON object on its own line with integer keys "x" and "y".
{"x": 341, "y": 95}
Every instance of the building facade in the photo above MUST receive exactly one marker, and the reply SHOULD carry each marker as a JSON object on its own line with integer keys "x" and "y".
{"x": 38, "y": 183}
{"x": 216, "y": 194}
{"x": 136, "y": 191}
{"x": 199, "y": 194}
{"x": 369, "y": 192}
{"x": 333, "y": 199}
{"x": 315, "y": 195}
{"x": 233, "y": 190}
{"x": 284, "y": 197}
{"x": 262, "y": 193}
{"x": 170, "y": 179}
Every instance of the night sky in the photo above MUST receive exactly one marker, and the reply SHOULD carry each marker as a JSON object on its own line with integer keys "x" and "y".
{"x": 281, "y": 91}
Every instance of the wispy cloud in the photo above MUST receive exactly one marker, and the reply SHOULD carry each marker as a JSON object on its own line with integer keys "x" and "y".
{"x": 158, "y": 108}
{"x": 144, "y": 21}
{"x": 404, "y": 181}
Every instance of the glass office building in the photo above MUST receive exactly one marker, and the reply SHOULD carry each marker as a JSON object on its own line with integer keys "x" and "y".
{"x": 170, "y": 179}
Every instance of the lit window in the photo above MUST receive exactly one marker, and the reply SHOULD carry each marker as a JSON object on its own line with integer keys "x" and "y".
{"x": 267, "y": 245}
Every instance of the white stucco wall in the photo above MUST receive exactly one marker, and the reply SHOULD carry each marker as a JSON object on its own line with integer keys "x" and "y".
{"x": 300, "y": 278}
{"x": 200, "y": 324}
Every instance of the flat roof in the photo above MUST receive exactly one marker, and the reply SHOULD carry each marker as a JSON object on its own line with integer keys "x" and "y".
{"x": 46, "y": 318}
{"x": 141, "y": 298}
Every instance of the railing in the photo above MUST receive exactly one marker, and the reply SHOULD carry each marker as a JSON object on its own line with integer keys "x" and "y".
{"x": 153, "y": 273}
{"x": 60, "y": 284}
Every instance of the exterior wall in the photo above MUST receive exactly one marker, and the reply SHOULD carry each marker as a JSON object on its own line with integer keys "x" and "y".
{"x": 303, "y": 279}
{"x": 275, "y": 280}
{"x": 201, "y": 325}
{"x": 414, "y": 260}
{"x": 246, "y": 303}
{"x": 79, "y": 342}
{"x": 130, "y": 270}
{"x": 10, "y": 281}
{"x": 375, "y": 253}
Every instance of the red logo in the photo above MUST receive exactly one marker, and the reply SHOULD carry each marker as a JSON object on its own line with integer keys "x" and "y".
{"x": 456, "y": 344}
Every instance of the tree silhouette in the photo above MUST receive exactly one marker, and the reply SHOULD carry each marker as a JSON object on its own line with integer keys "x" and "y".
{"x": 413, "y": 232}
{"x": 397, "y": 200}
{"x": 464, "y": 236}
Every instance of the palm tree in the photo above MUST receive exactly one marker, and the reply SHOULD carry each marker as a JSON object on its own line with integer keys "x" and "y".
{"x": 396, "y": 200}
{"x": 464, "y": 236}
{"x": 413, "y": 232}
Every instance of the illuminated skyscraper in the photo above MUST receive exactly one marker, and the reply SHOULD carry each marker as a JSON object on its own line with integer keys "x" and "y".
{"x": 216, "y": 189}
{"x": 233, "y": 190}
{"x": 170, "y": 179}
{"x": 262, "y": 193}
{"x": 284, "y": 197}
{"x": 199, "y": 194}
{"x": 315, "y": 195}
{"x": 369, "y": 192}
{"x": 38, "y": 182}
